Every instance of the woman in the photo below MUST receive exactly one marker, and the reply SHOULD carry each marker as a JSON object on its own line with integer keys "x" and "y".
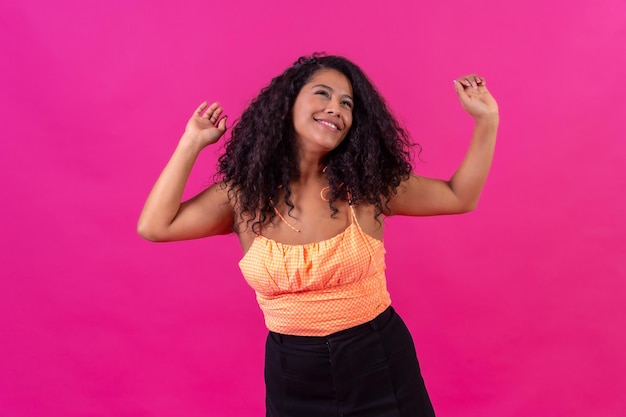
{"x": 310, "y": 170}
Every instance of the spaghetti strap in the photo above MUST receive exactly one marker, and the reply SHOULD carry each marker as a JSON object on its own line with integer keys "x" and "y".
{"x": 370, "y": 249}
{"x": 353, "y": 214}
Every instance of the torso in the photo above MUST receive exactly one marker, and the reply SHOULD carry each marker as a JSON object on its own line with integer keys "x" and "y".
{"x": 316, "y": 224}
{"x": 318, "y": 281}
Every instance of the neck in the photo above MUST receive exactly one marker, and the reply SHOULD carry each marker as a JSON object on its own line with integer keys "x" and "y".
{"x": 310, "y": 170}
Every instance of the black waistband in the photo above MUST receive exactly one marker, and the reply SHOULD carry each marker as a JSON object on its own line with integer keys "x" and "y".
{"x": 374, "y": 324}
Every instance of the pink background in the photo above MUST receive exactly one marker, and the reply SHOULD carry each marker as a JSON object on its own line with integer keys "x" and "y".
{"x": 516, "y": 309}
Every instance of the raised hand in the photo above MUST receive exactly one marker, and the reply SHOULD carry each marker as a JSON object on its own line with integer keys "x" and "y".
{"x": 205, "y": 125}
{"x": 475, "y": 98}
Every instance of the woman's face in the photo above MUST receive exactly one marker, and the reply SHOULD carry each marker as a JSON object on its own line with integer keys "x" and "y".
{"x": 322, "y": 112}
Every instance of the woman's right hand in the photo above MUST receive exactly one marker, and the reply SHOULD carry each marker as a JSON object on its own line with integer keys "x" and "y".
{"x": 205, "y": 126}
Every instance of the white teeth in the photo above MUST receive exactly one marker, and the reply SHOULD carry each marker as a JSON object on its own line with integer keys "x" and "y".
{"x": 329, "y": 124}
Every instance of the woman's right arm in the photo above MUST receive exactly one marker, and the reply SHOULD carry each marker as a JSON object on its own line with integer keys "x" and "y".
{"x": 164, "y": 217}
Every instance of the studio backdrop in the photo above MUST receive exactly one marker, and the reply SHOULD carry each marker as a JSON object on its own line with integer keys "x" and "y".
{"x": 517, "y": 308}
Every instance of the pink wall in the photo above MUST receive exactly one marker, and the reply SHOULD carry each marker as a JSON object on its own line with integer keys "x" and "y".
{"x": 517, "y": 309}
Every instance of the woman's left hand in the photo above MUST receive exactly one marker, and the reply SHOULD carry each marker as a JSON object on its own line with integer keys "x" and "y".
{"x": 475, "y": 98}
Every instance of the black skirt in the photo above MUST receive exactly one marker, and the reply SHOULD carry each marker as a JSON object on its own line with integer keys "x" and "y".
{"x": 367, "y": 370}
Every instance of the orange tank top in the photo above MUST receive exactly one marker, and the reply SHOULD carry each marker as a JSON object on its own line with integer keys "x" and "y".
{"x": 318, "y": 288}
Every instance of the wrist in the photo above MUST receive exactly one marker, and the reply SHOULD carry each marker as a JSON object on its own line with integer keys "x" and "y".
{"x": 190, "y": 142}
{"x": 488, "y": 119}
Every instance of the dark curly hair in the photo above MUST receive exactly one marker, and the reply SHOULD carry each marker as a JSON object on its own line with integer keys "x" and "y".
{"x": 261, "y": 156}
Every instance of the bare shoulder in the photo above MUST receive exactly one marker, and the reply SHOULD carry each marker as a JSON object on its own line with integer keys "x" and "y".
{"x": 370, "y": 223}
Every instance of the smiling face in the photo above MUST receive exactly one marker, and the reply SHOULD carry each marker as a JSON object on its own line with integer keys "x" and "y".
{"x": 322, "y": 111}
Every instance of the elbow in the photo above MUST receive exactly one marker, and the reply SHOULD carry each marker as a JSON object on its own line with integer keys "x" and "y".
{"x": 148, "y": 233}
{"x": 471, "y": 207}
{"x": 465, "y": 201}
{"x": 467, "y": 207}
{"x": 468, "y": 203}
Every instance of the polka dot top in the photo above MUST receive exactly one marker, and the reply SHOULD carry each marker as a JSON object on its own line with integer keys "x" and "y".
{"x": 318, "y": 288}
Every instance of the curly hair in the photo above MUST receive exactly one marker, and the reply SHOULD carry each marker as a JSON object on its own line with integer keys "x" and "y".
{"x": 261, "y": 156}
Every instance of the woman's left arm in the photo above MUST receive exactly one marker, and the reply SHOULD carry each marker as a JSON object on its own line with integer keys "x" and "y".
{"x": 420, "y": 196}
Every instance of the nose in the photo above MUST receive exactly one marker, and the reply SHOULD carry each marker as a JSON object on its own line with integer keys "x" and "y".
{"x": 333, "y": 107}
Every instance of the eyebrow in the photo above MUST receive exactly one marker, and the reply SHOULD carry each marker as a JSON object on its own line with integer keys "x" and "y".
{"x": 331, "y": 89}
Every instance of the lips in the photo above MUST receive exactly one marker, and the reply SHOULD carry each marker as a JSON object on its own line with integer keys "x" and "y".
{"x": 329, "y": 124}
